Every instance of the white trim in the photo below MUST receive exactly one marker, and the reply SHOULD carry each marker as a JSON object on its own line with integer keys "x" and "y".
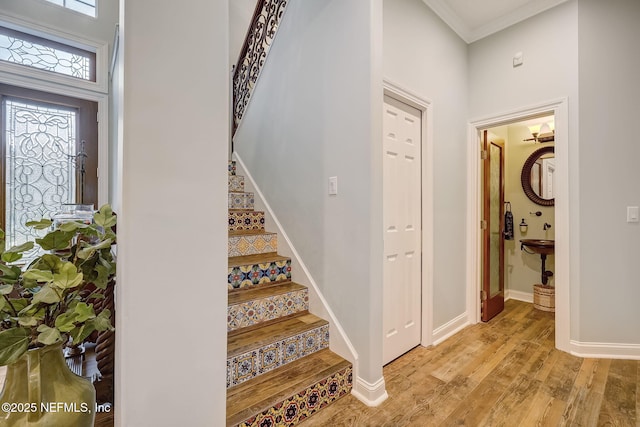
{"x": 498, "y": 23}
{"x": 103, "y": 121}
{"x": 559, "y": 107}
{"x": 318, "y": 304}
{"x": 450, "y": 328}
{"x": 101, "y": 50}
{"x": 425, "y": 106}
{"x": 605, "y": 350}
{"x": 518, "y": 296}
{"x": 370, "y": 394}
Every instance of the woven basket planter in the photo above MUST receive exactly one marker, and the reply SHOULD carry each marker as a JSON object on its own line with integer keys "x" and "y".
{"x": 544, "y": 297}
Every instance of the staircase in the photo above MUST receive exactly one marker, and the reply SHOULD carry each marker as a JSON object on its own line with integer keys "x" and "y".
{"x": 280, "y": 370}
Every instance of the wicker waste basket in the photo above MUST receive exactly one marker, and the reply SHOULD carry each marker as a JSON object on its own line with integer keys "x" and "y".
{"x": 544, "y": 297}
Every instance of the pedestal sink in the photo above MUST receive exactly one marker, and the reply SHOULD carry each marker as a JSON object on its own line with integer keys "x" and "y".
{"x": 543, "y": 247}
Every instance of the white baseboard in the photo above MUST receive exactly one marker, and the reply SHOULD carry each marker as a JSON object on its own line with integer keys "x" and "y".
{"x": 605, "y": 350}
{"x": 518, "y": 295}
{"x": 369, "y": 394}
{"x": 450, "y": 328}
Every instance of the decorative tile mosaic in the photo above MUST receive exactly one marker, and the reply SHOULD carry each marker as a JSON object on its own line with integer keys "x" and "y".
{"x": 246, "y": 220}
{"x": 253, "y": 244}
{"x": 252, "y": 312}
{"x": 248, "y": 275}
{"x": 236, "y": 183}
{"x": 301, "y": 406}
{"x": 238, "y": 200}
{"x": 248, "y": 365}
{"x": 232, "y": 167}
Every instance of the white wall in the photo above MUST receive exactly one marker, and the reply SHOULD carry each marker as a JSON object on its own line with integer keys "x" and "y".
{"x": 172, "y": 250}
{"x": 609, "y": 174}
{"x": 549, "y": 43}
{"x": 315, "y": 114}
{"x": 423, "y": 55}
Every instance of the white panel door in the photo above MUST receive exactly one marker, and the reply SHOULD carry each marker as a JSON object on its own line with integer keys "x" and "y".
{"x": 402, "y": 129}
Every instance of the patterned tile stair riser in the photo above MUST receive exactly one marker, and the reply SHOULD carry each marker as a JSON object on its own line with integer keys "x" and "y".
{"x": 246, "y": 220}
{"x": 301, "y": 406}
{"x": 238, "y": 200}
{"x": 236, "y": 183}
{"x": 253, "y": 244}
{"x": 232, "y": 167}
{"x": 249, "y": 275}
{"x": 251, "y": 313}
{"x": 248, "y": 365}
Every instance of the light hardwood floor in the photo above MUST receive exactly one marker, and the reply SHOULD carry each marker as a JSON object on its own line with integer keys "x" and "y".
{"x": 502, "y": 373}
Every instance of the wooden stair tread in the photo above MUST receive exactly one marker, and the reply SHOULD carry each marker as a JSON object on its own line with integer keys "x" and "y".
{"x": 237, "y": 261}
{"x": 264, "y": 391}
{"x": 236, "y": 233}
{"x": 252, "y": 293}
{"x": 256, "y": 338}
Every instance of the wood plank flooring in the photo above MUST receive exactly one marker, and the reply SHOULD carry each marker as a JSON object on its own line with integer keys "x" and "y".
{"x": 502, "y": 373}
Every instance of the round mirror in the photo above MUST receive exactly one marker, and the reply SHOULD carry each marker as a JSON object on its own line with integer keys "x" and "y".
{"x": 537, "y": 176}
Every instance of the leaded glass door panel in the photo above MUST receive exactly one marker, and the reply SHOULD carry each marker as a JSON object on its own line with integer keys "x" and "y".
{"x": 49, "y": 157}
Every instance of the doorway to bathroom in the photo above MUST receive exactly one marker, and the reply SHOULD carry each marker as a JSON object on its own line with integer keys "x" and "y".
{"x": 520, "y": 270}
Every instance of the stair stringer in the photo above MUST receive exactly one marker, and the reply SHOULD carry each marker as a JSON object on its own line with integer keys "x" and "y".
{"x": 339, "y": 342}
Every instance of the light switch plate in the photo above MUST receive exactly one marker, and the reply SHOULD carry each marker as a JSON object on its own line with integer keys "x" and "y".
{"x": 333, "y": 185}
{"x": 633, "y": 214}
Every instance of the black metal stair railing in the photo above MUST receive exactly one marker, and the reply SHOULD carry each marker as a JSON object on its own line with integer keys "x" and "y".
{"x": 265, "y": 22}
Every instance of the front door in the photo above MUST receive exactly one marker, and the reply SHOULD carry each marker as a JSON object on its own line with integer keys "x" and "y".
{"x": 49, "y": 157}
{"x": 402, "y": 213}
{"x": 493, "y": 224}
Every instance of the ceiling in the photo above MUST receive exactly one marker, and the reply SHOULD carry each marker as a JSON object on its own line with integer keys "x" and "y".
{"x": 476, "y": 19}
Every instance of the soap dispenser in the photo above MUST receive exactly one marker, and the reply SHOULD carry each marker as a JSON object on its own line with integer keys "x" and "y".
{"x": 523, "y": 227}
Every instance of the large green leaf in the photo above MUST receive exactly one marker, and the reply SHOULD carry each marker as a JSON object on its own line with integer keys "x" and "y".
{"x": 10, "y": 273}
{"x": 6, "y": 289}
{"x": 46, "y": 295}
{"x": 90, "y": 250}
{"x": 72, "y": 226}
{"x": 84, "y": 312}
{"x": 10, "y": 257}
{"x": 14, "y": 253}
{"x": 27, "y": 246}
{"x": 40, "y": 225}
{"x": 105, "y": 217}
{"x": 68, "y": 277}
{"x": 38, "y": 275}
{"x": 13, "y": 344}
{"x": 81, "y": 333}
{"x": 49, "y": 262}
{"x": 48, "y": 335}
{"x": 56, "y": 240}
{"x": 66, "y": 321}
{"x": 102, "y": 322}
{"x": 27, "y": 321}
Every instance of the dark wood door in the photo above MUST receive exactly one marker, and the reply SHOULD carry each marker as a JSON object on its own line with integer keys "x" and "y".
{"x": 493, "y": 223}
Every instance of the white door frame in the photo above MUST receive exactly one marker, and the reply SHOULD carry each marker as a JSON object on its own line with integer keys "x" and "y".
{"x": 425, "y": 106}
{"x": 560, "y": 110}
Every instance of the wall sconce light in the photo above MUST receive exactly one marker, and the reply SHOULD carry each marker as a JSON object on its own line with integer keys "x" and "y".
{"x": 541, "y": 133}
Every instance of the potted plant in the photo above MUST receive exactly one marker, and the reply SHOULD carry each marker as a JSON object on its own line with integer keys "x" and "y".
{"x": 45, "y": 305}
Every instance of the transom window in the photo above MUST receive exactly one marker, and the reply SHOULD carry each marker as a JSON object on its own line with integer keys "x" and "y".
{"x": 87, "y": 7}
{"x": 37, "y": 52}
